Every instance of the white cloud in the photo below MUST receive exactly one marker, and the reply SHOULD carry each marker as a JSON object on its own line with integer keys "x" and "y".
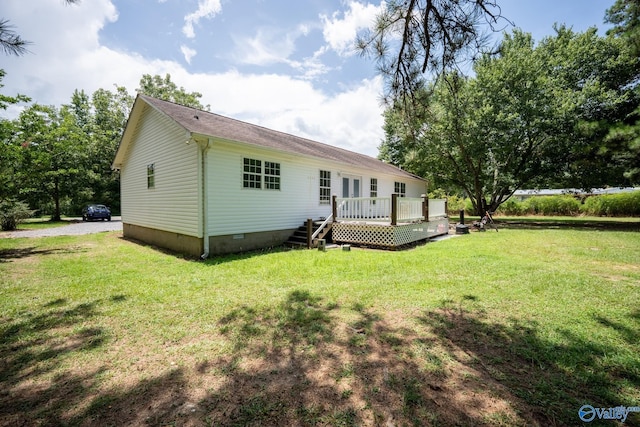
{"x": 206, "y": 9}
{"x": 351, "y": 119}
{"x": 340, "y": 33}
{"x": 67, "y": 55}
{"x": 269, "y": 46}
{"x": 188, "y": 53}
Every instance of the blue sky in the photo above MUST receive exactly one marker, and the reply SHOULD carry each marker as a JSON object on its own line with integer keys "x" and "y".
{"x": 286, "y": 65}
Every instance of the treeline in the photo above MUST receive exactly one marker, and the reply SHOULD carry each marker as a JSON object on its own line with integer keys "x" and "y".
{"x": 562, "y": 112}
{"x": 606, "y": 205}
{"x": 56, "y": 159}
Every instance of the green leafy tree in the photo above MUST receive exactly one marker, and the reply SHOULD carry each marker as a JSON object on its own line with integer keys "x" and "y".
{"x": 52, "y": 156}
{"x": 623, "y": 138}
{"x": 6, "y": 100}
{"x": 110, "y": 113}
{"x": 523, "y": 120}
{"x": 165, "y": 89}
{"x": 10, "y": 159}
{"x": 625, "y": 17}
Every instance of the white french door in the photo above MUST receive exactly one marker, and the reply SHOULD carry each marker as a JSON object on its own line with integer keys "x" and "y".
{"x": 350, "y": 186}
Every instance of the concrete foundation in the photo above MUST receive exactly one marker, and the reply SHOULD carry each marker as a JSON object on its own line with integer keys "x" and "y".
{"x": 247, "y": 241}
{"x": 218, "y": 245}
{"x": 188, "y": 245}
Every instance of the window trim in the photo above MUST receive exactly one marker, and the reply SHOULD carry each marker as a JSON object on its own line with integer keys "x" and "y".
{"x": 251, "y": 174}
{"x": 373, "y": 189}
{"x": 272, "y": 180}
{"x": 324, "y": 197}
{"x": 400, "y": 188}
{"x": 258, "y": 174}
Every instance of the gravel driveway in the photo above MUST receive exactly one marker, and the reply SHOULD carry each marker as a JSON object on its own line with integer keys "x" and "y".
{"x": 73, "y": 229}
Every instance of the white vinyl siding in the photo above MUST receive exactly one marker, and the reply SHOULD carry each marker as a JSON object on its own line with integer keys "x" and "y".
{"x": 235, "y": 211}
{"x": 172, "y": 204}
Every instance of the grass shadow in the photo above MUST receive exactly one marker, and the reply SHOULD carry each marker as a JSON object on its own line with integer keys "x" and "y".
{"x": 307, "y": 361}
{"x": 6, "y": 255}
{"x": 34, "y": 386}
{"x": 553, "y": 379}
{"x": 303, "y": 363}
{"x": 35, "y": 344}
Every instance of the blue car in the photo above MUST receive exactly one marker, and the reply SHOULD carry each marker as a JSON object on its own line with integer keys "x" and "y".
{"x": 91, "y": 212}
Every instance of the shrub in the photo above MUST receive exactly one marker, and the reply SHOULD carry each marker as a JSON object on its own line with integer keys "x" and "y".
{"x": 455, "y": 204}
{"x": 552, "y": 205}
{"x": 12, "y": 213}
{"x": 511, "y": 207}
{"x": 468, "y": 207}
{"x": 622, "y": 204}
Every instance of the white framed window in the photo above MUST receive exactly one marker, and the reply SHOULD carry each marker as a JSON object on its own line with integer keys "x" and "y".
{"x": 252, "y": 176}
{"x": 373, "y": 189}
{"x": 151, "y": 175}
{"x": 400, "y": 188}
{"x": 325, "y": 187}
{"x": 258, "y": 174}
{"x": 271, "y": 176}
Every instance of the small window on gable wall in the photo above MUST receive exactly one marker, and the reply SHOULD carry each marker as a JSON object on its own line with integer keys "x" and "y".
{"x": 400, "y": 188}
{"x": 151, "y": 176}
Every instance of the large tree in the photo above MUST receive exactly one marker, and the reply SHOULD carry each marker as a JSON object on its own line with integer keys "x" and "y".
{"x": 10, "y": 161}
{"x": 623, "y": 138}
{"x": 52, "y": 156}
{"x": 625, "y": 17}
{"x": 525, "y": 119}
{"x": 413, "y": 40}
{"x": 110, "y": 113}
{"x": 165, "y": 89}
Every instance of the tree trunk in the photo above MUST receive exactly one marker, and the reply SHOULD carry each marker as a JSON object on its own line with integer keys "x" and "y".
{"x": 56, "y": 199}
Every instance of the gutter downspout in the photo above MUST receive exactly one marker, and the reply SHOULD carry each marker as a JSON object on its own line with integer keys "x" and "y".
{"x": 205, "y": 197}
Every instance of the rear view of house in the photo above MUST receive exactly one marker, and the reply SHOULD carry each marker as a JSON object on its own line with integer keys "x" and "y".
{"x": 200, "y": 183}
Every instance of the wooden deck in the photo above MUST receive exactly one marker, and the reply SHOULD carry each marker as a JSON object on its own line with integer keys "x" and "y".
{"x": 387, "y": 235}
{"x": 387, "y": 222}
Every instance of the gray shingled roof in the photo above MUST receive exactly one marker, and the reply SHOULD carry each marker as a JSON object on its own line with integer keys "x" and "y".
{"x": 217, "y": 126}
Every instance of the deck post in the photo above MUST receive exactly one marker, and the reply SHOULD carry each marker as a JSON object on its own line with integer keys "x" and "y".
{"x": 394, "y": 209}
{"x": 425, "y": 207}
{"x": 334, "y": 207}
{"x": 309, "y": 232}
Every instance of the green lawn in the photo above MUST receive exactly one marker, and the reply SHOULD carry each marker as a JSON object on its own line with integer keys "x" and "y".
{"x": 519, "y": 327}
{"x": 43, "y": 222}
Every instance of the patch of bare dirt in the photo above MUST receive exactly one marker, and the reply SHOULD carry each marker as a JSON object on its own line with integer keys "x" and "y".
{"x": 303, "y": 363}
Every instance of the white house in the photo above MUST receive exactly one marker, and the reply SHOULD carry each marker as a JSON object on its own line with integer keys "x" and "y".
{"x": 200, "y": 183}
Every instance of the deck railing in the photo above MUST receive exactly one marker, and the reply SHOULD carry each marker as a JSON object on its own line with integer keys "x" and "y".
{"x": 391, "y": 210}
{"x": 437, "y": 208}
